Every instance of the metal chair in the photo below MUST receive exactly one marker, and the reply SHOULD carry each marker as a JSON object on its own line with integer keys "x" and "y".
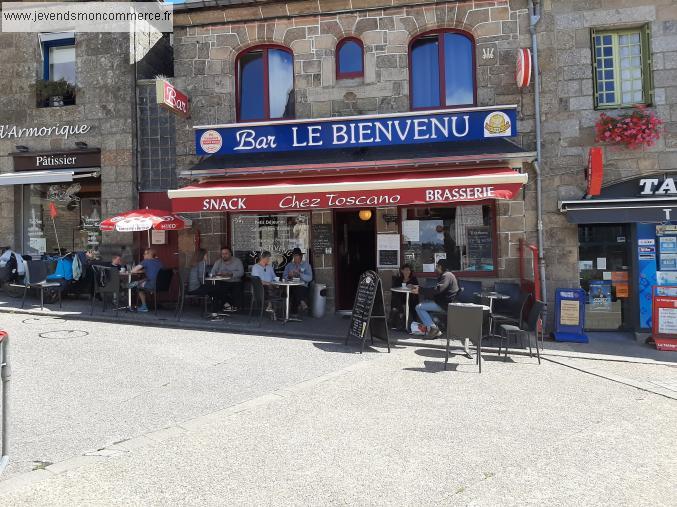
{"x": 525, "y": 329}
{"x": 106, "y": 282}
{"x": 469, "y": 289}
{"x": 35, "y": 278}
{"x": 163, "y": 283}
{"x": 465, "y": 322}
{"x": 258, "y": 298}
{"x": 516, "y": 317}
{"x": 183, "y": 295}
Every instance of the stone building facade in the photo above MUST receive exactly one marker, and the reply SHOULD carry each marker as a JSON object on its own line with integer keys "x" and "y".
{"x": 103, "y": 109}
{"x": 208, "y": 40}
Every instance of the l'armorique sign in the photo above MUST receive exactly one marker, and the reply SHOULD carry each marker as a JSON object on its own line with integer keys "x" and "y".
{"x": 357, "y": 131}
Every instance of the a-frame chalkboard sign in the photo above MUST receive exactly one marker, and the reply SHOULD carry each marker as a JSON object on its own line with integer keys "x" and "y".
{"x": 369, "y": 312}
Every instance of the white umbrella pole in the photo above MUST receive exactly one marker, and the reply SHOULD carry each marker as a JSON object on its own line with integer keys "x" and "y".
{"x": 148, "y": 238}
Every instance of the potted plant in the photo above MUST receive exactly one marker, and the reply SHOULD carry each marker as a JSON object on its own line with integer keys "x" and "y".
{"x": 54, "y": 93}
{"x": 636, "y": 129}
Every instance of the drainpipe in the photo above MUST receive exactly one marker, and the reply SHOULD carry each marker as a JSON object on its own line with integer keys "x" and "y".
{"x": 534, "y": 17}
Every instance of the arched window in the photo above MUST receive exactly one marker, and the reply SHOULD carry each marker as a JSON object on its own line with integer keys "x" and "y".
{"x": 349, "y": 58}
{"x": 265, "y": 84}
{"x": 442, "y": 70}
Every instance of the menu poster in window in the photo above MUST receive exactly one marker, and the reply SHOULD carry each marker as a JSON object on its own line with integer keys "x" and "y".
{"x": 388, "y": 246}
{"x": 479, "y": 247}
{"x": 410, "y": 230}
{"x": 668, "y": 244}
{"x": 668, "y": 262}
{"x": 322, "y": 238}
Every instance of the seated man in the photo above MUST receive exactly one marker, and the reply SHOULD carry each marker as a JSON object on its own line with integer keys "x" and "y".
{"x": 264, "y": 271}
{"x": 298, "y": 268}
{"x": 442, "y": 294}
{"x": 229, "y": 293}
{"x": 116, "y": 262}
{"x": 150, "y": 266}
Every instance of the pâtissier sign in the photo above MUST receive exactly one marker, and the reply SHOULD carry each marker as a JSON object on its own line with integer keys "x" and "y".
{"x": 469, "y": 124}
{"x": 57, "y": 160}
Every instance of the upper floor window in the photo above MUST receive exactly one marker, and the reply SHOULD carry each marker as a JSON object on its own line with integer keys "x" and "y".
{"x": 621, "y": 68}
{"x": 442, "y": 69}
{"x": 349, "y": 58}
{"x": 59, "y": 60}
{"x": 265, "y": 80}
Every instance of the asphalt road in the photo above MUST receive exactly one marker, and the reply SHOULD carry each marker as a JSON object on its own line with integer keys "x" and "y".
{"x": 259, "y": 420}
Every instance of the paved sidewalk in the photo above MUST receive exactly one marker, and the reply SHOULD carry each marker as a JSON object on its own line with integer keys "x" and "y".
{"x": 395, "y": 429}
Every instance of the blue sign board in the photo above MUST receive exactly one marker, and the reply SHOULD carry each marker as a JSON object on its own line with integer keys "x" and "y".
{"x": 570, "y": 315}
{"x": 357, "y": 131}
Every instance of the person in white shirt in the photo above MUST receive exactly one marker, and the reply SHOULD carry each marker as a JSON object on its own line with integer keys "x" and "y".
{"x": 263, "y": 270}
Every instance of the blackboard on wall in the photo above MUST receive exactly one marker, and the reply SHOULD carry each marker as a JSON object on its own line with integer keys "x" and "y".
{"x": 322, "y": 240}
{"x": 479, "y": 246}
{"x": 369, "y": 311}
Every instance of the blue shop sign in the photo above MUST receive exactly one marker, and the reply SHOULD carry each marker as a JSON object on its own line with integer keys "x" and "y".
{"x": 472, "y": 124}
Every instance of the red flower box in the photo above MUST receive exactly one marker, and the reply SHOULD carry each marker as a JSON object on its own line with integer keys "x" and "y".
{"x": 634, "y": 130}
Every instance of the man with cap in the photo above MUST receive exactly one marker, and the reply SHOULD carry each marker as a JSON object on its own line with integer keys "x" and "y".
{"x": 298, "y": 268}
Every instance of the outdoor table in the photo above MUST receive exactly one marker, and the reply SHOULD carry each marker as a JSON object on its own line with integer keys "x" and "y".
{"x": 218, "y": 278}
{"x": 406, "y": 291}
{"x": 492, "y": 296}
{"x": 288, "y": 284}
{"x": 128, "y": 275}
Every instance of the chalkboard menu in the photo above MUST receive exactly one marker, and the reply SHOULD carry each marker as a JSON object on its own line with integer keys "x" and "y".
{"x": 388, "y": 258}
{"x": 322, "y": 239}
{"x": 479, "y": 246}
{"x": 369, "y": 311}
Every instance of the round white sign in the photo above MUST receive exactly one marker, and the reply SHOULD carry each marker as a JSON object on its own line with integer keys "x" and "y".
{"x": 211, "y": 141}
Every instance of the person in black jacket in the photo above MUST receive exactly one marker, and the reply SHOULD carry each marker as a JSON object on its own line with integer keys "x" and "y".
{"x": 442, "y": 294}
{"x": 398, "y": 300}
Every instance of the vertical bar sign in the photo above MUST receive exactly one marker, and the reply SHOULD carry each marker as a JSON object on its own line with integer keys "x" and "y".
{"x": 171, "y": 99}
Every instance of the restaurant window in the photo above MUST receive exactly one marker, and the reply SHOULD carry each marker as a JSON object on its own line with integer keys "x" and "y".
{"x": 463, "y": 235}
{"x": 442, "y": 70}
{"x": 604, "y": 270}
{"x": 349, "y": 58}
{"x": 75, "y": 226}
{"x": 279, "y": 233}
{"x": 266, "y": 84}
{"x": 621, "y": 67}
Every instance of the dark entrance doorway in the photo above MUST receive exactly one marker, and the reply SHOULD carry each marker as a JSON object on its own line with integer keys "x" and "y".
{"x": 355, "y": 253}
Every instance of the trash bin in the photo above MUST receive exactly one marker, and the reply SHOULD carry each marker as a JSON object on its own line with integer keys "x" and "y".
{"x": 319, "y": 300}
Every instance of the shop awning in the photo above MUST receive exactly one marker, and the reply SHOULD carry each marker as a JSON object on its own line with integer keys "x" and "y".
{"x": 489, "y": 152}
{"x": 619, "y": 211}
{"x": 366, "y": 190}
{"x": 55, "y": 176}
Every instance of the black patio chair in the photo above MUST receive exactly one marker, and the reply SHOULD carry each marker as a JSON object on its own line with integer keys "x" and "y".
{"x": 508, "y": 306}
{"x": 465, "y": 322}
{"x": 106, "y": 282}
{"x": 35, "y": 277}
{"x": 469, "y": 291}
{"x": 525, "y": 329}
{"x": 163, "y": 284}
{"x": 517, "y": 311}
{"x": 203, "y": 300}
{"x": 259, "y": 299}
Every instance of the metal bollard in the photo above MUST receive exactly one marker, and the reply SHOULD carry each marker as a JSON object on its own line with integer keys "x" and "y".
{"x": 5, "y": 375}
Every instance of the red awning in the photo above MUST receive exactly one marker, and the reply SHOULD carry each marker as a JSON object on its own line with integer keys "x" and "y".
{"x": 355, "y": 191}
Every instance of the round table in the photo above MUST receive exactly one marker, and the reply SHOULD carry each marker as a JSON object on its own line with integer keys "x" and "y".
{"x": 215, "y": 279}
{"x": 288, "y": 284}
{"x": 406, "y": 291}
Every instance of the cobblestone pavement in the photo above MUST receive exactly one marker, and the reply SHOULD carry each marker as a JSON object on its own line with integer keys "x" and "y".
{"x": 377, "y": 429}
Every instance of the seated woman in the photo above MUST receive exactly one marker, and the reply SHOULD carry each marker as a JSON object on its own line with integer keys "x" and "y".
{"x": 398, "y": 299}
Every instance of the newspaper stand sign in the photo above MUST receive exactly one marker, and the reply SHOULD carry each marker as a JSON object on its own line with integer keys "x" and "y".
{"x": 570, "y": 315}
{"x": 664, "y": 321}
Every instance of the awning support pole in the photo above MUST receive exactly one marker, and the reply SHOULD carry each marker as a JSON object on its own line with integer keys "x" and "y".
{"x": 534, "y": 17}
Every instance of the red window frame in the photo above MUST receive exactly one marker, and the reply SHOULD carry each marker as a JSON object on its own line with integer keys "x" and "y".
{"x": 266, "y": 81}
{"x": 339, "y": 46}
{"x": 494, "y": 230}
{"x": 441, "y": 67}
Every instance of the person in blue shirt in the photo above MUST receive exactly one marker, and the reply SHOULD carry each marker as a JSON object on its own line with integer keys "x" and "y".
{"x": 150, "y": 266}
{"x": 298, "y": 268}
{"x": 263, "y": 270}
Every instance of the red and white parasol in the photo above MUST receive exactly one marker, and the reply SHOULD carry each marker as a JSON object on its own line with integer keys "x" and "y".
{"x": 144, "y": 220}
